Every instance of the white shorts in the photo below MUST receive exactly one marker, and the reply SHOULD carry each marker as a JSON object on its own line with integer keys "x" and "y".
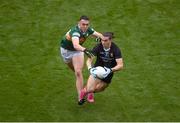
{"x": 68, "y": 54}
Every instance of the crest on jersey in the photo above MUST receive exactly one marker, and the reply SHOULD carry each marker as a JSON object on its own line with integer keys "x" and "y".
{"x": 82, "y": 39}
{"x": 111, "y": 54}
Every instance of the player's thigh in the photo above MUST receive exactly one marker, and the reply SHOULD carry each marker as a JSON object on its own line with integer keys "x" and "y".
{"x": 91, "y": 83}
{"x": 101, "y": 85}
{"x": 78, "y": 61}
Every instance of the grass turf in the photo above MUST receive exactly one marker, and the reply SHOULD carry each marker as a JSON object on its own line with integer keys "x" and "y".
{"x": 35, "y": 84}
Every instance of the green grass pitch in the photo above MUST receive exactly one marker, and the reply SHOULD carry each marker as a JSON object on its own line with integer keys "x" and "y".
{"x": 35, "y": 84}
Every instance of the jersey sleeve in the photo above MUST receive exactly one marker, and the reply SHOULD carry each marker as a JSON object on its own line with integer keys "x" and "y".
{"x": 75, "y": 34}
{"x": 117, "y": 53}
{"x": 91, "y": 30}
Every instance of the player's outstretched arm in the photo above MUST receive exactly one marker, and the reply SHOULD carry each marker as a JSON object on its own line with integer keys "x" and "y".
{"x": 77, "y": 46}
{"x": 88, "y": 53}
{"x": 89, "y": 63}
{"x": 98, "y": 34}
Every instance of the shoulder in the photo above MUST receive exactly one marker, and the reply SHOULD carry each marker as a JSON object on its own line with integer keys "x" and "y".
{"x": 75, "y": 31}
{"x": 114, "y": 46}
{"x": 98, "y": 47}
{"x": 116, "y": 50}
{"x": 91, "y": 30}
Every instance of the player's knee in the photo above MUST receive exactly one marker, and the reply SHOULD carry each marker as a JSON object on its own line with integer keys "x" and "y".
{"x": 102, "y": 88}
{"x": 91, "y": 90}
{"x": 78, "y": 72}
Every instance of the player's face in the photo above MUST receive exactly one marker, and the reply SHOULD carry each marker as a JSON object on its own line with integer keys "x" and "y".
{"x": 106, "y": 42}
{"x": 83, "y": 24}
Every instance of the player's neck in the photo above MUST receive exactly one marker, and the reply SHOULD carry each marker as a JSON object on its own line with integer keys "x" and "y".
{"x": 81, "y": 29}
{"x": 107, "y": 48}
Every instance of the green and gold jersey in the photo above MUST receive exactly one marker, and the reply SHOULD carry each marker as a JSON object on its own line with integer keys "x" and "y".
{"x": 75, "y": 32}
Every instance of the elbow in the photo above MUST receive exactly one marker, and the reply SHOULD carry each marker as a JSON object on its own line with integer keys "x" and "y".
{"x": 121, "y": 66}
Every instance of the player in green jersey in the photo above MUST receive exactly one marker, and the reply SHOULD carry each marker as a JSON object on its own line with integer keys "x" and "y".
{"x": 72, "y": 50}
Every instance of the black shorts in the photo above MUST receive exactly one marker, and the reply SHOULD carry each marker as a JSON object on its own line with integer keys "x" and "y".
{"x": 108, "y": 78}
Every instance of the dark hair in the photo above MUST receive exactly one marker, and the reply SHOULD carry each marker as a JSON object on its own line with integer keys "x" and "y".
{"x": 109, "y": 34}
{"x": 83, "y": 17}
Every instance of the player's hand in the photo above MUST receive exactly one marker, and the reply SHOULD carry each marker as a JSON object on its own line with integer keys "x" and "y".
{"x": 88, "y": 53}
{"x": 105, "y": 38}
{"x": 98, "y": 39}
{"x": 108, "y": 71}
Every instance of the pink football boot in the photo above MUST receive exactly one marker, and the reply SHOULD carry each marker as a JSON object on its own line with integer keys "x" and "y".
{"x": 90, "y": 97}
{"x": 81, "y": 97}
